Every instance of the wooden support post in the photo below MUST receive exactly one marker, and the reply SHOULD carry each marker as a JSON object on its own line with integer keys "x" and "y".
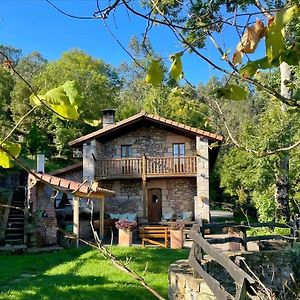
{"x": 76, "y": 219}
{"x": 243, "y": 235}
{"x": 144, "y": 185}
{"x": 101, "y": 215}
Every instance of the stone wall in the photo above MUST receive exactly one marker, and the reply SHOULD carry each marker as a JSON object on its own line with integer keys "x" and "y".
{"x": 177, "y": 193}
{"x": 75, "y": 176}
{"x": 46, "y": 218}
{"x": 273, "y": 268}
{"x": 180, "y": 194}
{"x": 128, "y": 197}
{"x": 152, "y": 141}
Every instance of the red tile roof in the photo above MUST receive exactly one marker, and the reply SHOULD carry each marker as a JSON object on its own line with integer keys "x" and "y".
{"x": 78, "y": 189}
{"x": 155, "y": 119}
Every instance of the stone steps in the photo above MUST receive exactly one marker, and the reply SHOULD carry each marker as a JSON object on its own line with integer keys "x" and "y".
{"x": 15, "y": 225}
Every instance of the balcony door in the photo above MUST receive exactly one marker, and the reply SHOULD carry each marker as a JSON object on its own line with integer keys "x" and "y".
{"x": 126, "y": 151}
{"x": 154, "y": 205}
{"x": 179, "y": 154}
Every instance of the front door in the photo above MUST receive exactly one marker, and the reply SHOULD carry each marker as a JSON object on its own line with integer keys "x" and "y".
{"x": 154, "y": 205}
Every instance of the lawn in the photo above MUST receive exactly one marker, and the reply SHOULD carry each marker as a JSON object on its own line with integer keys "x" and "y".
{"x": 84, "y": 274}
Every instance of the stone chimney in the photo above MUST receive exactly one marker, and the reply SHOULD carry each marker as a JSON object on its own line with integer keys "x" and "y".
{"x": 40, "y": 163}
{"x": 108, "y": 117}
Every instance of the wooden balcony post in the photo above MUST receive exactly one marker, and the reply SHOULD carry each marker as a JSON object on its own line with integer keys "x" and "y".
{"x": 76, "y": 219}
{"x": 101, "y": 217}
{"x": 144, "y": 184}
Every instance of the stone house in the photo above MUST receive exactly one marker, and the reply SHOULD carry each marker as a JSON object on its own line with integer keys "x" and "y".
{"x": 154, "y": 165}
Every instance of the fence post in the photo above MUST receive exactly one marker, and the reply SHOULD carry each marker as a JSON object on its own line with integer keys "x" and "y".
{"x": 243, "y": 235}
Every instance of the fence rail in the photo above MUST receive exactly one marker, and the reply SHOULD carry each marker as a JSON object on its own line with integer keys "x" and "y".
{"x": 244, "y": 283}
{"x": 151, "y": 166}
{"x": 243, "y": 238}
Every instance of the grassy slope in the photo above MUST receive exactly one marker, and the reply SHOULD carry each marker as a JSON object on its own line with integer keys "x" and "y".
{"x": 84, "y": 274}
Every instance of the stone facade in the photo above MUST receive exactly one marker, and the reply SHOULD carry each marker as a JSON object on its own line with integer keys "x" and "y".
{"x": 153, "y": 142}
{"x": 177, "y": 193}
{"x": 180, "y": 194}
{"x": 42, "y": 203}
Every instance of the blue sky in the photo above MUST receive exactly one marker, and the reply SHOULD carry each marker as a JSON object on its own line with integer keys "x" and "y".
{"x": 33, "y": 25}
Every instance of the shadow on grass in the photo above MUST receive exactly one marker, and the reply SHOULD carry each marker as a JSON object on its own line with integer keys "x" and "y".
{"x": 12, "y": 266}
{"x": 74, "y": 287}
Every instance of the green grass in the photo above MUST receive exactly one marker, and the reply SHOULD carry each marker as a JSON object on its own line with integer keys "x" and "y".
{"x": 84, "y": 274}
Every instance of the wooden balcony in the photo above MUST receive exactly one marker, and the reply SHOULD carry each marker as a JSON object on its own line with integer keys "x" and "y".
{"x": 142, "y": 167}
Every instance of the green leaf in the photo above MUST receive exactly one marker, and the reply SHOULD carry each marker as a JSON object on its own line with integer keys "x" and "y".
{"x": 275, "y": 43}
{"x": 73, "y": 92}
{"x": 64, "y": 100}
{"x": 155, "y": 73}
{"x": 14, "y": 149}
{"x": 176, "y": 66}
{"x": 35, "y": 100}
{"x": 249, "y": 69}
{"x": 93, "y": 123}
{"x": 291, "y": 55}
{"x": 231, "y": 92}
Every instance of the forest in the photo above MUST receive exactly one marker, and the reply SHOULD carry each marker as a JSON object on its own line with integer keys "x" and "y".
{"x": 261, "y": 128}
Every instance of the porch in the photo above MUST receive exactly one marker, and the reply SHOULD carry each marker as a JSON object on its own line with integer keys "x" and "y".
{"x": 142, "y": 167}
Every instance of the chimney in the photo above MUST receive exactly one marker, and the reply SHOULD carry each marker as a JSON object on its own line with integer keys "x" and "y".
{"x": 108, "y": 117}
{"x": 40, "y": 163}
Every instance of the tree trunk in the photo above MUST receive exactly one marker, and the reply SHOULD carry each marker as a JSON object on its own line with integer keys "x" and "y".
{"x": 282, "y": 172}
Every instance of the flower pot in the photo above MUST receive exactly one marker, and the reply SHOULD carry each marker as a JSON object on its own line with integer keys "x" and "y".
{"x": 125, "y": 238}
{"x": 176, "y": 239}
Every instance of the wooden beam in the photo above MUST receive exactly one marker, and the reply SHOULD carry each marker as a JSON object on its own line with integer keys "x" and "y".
{"x": 101, "y": 217}
{"x": 144, "y": 185}
{"x": 76, "y": 219}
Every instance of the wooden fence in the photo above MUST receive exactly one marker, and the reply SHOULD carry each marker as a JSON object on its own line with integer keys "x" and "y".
{"x": 242, "y": 228}
{"x": 244, "y": 283}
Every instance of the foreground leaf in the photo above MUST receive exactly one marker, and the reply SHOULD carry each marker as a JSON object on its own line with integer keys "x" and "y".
{"x": 176, "y": 71}
{"x": 230, "y": 92}
{"x": 64, "y": 100}
{"x": 155, "y": 73}
{"x": 275, "y": 41}
{"x": 14, "y": 149}
{"x": 93, "y": 123}
{"x": 249, "y": 69}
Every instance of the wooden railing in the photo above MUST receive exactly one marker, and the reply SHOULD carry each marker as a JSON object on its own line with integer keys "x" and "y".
{"x": 240, "y": 232}
{"x": 244, "y": 282}
{"x": 151, "y": 166}
{"x": 119, "y": 166}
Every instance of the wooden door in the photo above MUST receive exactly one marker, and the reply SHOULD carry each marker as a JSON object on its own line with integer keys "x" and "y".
{"x": 154, "y": 205}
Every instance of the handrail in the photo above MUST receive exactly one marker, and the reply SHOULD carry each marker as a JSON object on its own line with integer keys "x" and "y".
{"x": 243, "y": 281}
{"x": 154, "y": 166}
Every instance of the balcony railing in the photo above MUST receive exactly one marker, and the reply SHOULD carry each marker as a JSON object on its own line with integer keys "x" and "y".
{"x": 146, "y": 166}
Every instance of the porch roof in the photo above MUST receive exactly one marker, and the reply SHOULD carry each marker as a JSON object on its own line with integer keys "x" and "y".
{"x": 82, "y": 190}
{"x": 154, "y": 119}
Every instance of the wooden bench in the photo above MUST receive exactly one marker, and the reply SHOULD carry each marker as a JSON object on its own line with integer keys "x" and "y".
{"x": 150, "y": 233}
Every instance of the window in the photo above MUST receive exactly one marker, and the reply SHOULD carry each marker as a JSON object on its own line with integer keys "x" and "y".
{"x": 178, "y": 154}
{"x": 126, "y": 151}
{"x": 178, "y": 150}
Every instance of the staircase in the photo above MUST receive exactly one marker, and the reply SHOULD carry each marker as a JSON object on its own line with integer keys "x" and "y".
{"x": 15, "y": 224}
